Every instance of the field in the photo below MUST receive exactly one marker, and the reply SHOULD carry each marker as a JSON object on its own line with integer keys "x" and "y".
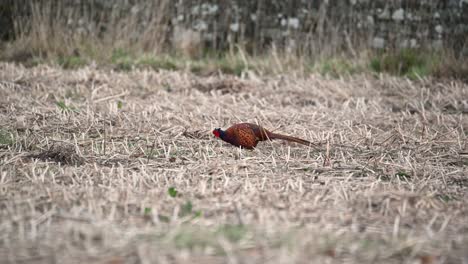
{"x": 99, "y": 166}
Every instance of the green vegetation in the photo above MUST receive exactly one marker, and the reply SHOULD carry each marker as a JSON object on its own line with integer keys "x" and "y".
{"x": 405, "y": 62}
{"x": 6, "y": 139}
{"x": 336, "y": 67}
{"x": 409, "y": 63}
{"x": 157, "y": 63}
{"x": 64, "y": 107}
{"x": 186, "y": 209}
{"x": 122, "y": 60}
{"x": 147, "y": 210}
{"x": 402, "y": 175}
{"x": 172, "y": 192}
{"x": 231, "y": 66}
{"x": 71, "y": 62}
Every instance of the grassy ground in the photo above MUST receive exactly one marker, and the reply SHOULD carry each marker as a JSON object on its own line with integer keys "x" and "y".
{"x": 100, "y": 166}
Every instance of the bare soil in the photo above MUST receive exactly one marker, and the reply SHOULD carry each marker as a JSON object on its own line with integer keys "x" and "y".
{"x": 99, "y": 166}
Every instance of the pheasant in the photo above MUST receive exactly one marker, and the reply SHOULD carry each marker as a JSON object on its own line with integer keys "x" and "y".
{"x": 247, "y": 135}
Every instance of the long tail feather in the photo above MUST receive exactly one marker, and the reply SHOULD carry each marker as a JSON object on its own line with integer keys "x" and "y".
{"x": 292, "y": 139}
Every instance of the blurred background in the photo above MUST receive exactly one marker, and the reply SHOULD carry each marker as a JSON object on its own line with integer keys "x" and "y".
{"x": 409, "y": 38}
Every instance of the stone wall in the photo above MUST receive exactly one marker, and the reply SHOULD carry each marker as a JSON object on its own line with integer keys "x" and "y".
{"x": 295, "y": 24}
{"x": 341, "y": 23}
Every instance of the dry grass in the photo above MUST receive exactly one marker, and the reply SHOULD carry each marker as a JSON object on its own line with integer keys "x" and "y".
{"x": 56, "y": 29}
{"x": 88, "y": 156}
{"x": 141, "y": 35}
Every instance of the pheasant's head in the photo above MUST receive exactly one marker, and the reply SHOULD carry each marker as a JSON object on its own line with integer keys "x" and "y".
{"x": 218, "y": 132}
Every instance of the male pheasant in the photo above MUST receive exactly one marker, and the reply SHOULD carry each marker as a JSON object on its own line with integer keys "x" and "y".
{"x": 247, "y": 135}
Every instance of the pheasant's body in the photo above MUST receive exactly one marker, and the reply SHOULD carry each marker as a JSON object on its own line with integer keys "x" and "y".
{"x": 248, "y": 135}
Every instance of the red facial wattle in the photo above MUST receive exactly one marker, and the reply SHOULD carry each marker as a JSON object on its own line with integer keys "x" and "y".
{"x": 216, "y": 133}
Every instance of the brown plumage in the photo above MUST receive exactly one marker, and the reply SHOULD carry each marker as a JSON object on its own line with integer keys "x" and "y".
{"x": 248, "y": 135}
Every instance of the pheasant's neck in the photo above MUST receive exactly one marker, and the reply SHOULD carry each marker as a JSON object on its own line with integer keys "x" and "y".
{"x": 222, "y": 134}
